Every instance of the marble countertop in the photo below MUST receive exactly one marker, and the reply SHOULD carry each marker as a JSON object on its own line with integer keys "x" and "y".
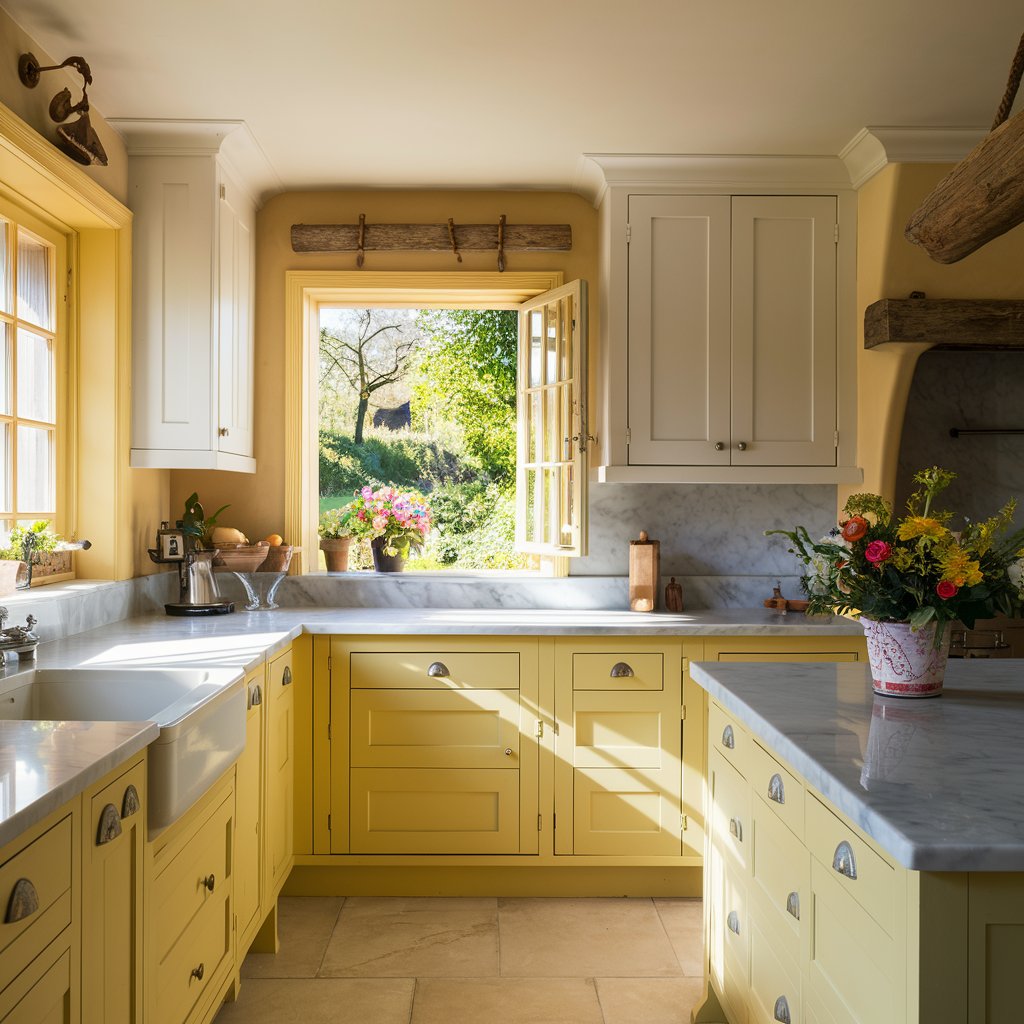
{"x": 44, "y": 764}
{"x": 939, "y": 783}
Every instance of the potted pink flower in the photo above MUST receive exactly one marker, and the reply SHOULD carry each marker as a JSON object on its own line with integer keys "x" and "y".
{"x": 393, "y": 521}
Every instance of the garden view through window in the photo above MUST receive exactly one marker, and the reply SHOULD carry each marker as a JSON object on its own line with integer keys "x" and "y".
{"x": 424, "y": 401}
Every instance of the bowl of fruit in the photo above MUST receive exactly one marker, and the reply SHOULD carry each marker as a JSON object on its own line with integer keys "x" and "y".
{"x": 279, "y": 555}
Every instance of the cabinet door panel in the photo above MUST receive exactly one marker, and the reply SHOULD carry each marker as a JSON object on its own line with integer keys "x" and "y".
{"x": 784, "y": 330}
{"x": 279, "y": 825}
{"x": 679, "y": 330}
{"x": 248, "y": 798}
{"x": 48, "y": 1001}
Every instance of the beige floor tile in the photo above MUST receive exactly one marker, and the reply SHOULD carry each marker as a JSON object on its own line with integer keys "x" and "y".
{"x": 304, "y": 928}
{"x": 648, "y": 1000}
{"x": 320, "y": 1001}
{"x": 684, "y": 924}
{"x": 508, "y": 1000}
{"x": 583, "y": 938}
{"x": 407, "y": 937}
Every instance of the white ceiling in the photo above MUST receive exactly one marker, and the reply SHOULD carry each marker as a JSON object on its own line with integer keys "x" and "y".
{"x": 481, "y": 94}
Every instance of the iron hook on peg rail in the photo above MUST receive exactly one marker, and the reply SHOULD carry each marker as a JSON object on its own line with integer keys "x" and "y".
{"x": 451, "y": 235}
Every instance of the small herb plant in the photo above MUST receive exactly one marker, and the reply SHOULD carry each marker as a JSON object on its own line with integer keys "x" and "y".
{"x": 194, "y": 522}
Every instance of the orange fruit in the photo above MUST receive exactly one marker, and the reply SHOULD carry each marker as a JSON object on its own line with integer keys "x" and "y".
{"x": 275, "y": 540}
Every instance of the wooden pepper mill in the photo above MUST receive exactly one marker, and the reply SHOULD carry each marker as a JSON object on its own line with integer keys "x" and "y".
{"x": 644, "y": 573}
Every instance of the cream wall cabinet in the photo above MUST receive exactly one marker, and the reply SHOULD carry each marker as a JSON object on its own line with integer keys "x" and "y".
{"x": 192, "y": 320}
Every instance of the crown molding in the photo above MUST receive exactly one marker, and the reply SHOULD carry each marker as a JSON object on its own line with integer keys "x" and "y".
{"x": 232, "y": 141}
{"x": 872, "y": 148}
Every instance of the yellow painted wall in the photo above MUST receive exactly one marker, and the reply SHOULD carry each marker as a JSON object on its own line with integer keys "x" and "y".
{"x": 890, "y": 267}
{"x": 258, "y": 500}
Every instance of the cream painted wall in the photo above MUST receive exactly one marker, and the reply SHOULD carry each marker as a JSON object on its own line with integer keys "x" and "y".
{"x": 31, "y": 104}
{"x": 888, "y": 266}
{"x": 257, "y": 500}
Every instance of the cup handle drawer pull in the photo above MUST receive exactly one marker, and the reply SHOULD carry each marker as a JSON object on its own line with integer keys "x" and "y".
{"x": 736, "y": 828}
{"x": 733, "y": 922}
{"x": 131, "y": 803}
{"x": 782, "y": 1010}
{"x": 844, "y": 861}
{"x": 255, "y": 696}
{"x": 286, "y": 676}
{"x": 438, "y": 670}
{"x": 793, "y": 904}
{"x": 728, "y": 739}
{"x": 110, "y": 825}
{"x": 620, "y": 670}
{"x": 776, "y": 789}
{"x": 197, "y": 972}
{"x": 208, "y": 882}
{"x": 24, "y": 901}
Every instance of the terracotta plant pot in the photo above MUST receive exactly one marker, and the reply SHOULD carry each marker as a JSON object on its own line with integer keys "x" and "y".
{"x": 905, "y": 662}
{"x": 383, "y": 562}
{"x": 335, "y": 551}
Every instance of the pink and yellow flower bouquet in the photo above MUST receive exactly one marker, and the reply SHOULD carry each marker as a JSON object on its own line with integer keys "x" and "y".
{"x": 916, "y": 568}
{"x": 402, "y": 518}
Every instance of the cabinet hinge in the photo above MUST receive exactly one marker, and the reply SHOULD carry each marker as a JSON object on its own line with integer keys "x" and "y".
{"x": 329, "y": 736}
{"x": 223, "y": 192}
{"x": 554, "y": 822}
{"x": 328, "y": 823}
{"x": 629, "y": 233}
{"x": 835, "y": 438}
{"x": 540, "y": 729}
{"x": 328, "y": 664}
{"x": 685, "y": 664}
{"x": 538, "y": 823}
{"x": 836, "y": 233}
{"x": 628, "y": 435}
{"x": 684, "y": 824}
{"x": 682, "y": 713}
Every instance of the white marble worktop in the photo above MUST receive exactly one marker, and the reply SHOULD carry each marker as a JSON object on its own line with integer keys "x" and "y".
{"x": 939, "y": 783}
{"x": 43, "y": 765}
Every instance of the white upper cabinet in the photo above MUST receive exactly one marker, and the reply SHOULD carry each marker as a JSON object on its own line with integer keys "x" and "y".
{"x": 192, "y": 322}
{"x": 728, "y": 334}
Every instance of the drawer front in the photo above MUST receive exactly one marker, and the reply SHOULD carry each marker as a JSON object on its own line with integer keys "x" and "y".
{"x": 774, "y": 981}
{"x": 427, "y": 810}
{"x": 618, "y": 671}
{"x": 46, "y": 864}
{"x": 730, "y": 821}
{"x": 183, "y": 888}
{"x": 856, "y": 867}
{"x": 779, "y": 788}
{"x": 435, "y": 729}
{"x": 446, "y": 670}
{"x": 191, "y": 965}
{"x": 781, "y": 870}
{"x": 856, "y": 972}
{"x": 729, "y": 738}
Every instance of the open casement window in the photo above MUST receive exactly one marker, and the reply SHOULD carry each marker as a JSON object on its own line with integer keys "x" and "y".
{"x": 551, "y": 482}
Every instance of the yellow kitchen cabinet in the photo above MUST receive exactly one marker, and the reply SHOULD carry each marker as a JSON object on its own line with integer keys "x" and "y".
{"x": 113, "y": 846}
{"x": 279, "y": 709}
{"x": 249, "y": 798}
{"x": 189, "y": 928}
{"x": 618, "y": 747}
{"x": 40, "y": 883}
{"x": 433, "y": 746}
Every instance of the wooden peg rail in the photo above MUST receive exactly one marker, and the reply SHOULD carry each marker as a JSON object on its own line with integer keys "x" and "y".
{"x": 449, "y": 237}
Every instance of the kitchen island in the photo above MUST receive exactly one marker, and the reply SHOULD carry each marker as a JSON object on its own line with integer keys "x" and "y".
{"x": 865, "y": 856}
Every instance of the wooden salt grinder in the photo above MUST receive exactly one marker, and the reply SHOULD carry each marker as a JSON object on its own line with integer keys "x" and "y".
{"x": 644, "y": 573}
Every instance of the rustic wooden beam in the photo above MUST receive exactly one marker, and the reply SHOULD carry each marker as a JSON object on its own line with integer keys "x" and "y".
{"x": 431, "y": 237}
{"x": 980, "y": 199}
{"x": 947, "y": 323}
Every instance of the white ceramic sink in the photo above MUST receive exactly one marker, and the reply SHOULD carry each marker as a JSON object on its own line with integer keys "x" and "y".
{"x": 201, "y": 714}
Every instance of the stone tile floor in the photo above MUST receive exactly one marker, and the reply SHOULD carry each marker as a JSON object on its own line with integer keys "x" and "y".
{"x": 397, "y": 960}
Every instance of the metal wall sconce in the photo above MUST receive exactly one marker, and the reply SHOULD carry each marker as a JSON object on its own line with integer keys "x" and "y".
{"x": 77, "y": 139}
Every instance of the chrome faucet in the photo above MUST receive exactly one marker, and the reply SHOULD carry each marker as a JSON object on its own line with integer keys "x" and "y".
{"x": 28, "y": 554}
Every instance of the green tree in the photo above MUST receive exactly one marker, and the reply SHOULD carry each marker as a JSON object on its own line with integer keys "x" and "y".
{"x": 468, "y": 374}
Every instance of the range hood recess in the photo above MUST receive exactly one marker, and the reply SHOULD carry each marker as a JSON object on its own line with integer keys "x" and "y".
{"x": 976, "y": 324}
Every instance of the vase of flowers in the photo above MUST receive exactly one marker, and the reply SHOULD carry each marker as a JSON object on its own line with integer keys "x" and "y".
{"x": 907, "y": 577}
{"x": 392, "y": 520}
{"x": 335, "y": 538}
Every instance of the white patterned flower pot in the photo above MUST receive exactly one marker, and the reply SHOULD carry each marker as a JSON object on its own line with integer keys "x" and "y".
{"x": 905, "y": 662}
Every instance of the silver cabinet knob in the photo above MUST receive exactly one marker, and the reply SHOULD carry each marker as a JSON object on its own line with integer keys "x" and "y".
{"x": 736, "y": 828}
{"x": 620, "y": 670}
{"x": 719, "y": 446}
{"x": 844, "y": 861}
{"x": 732, "y": 922}
{"x": 776, "y": 790}
{"x": 208, "y": 882}
{"x": 438, "y": 670}
{"x": 782, "y": 1010}
{"x": 197, "y": 972}
{"x": 728, "y": 739}
{"x": 742, "y": 446}
{"x": 508, "y": 751}
{"x": 793, "y": 905}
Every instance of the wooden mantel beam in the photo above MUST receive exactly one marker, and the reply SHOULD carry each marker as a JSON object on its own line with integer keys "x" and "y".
{"x": 431, "y": 237}
{"x": 992, "y": 324}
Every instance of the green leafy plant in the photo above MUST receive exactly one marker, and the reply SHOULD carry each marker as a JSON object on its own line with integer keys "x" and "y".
{"x": 914, "y": 568}
{"x": 194, "y": 522}
{"x": 334, "y": 523}
{"x": 45, "y": 540}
